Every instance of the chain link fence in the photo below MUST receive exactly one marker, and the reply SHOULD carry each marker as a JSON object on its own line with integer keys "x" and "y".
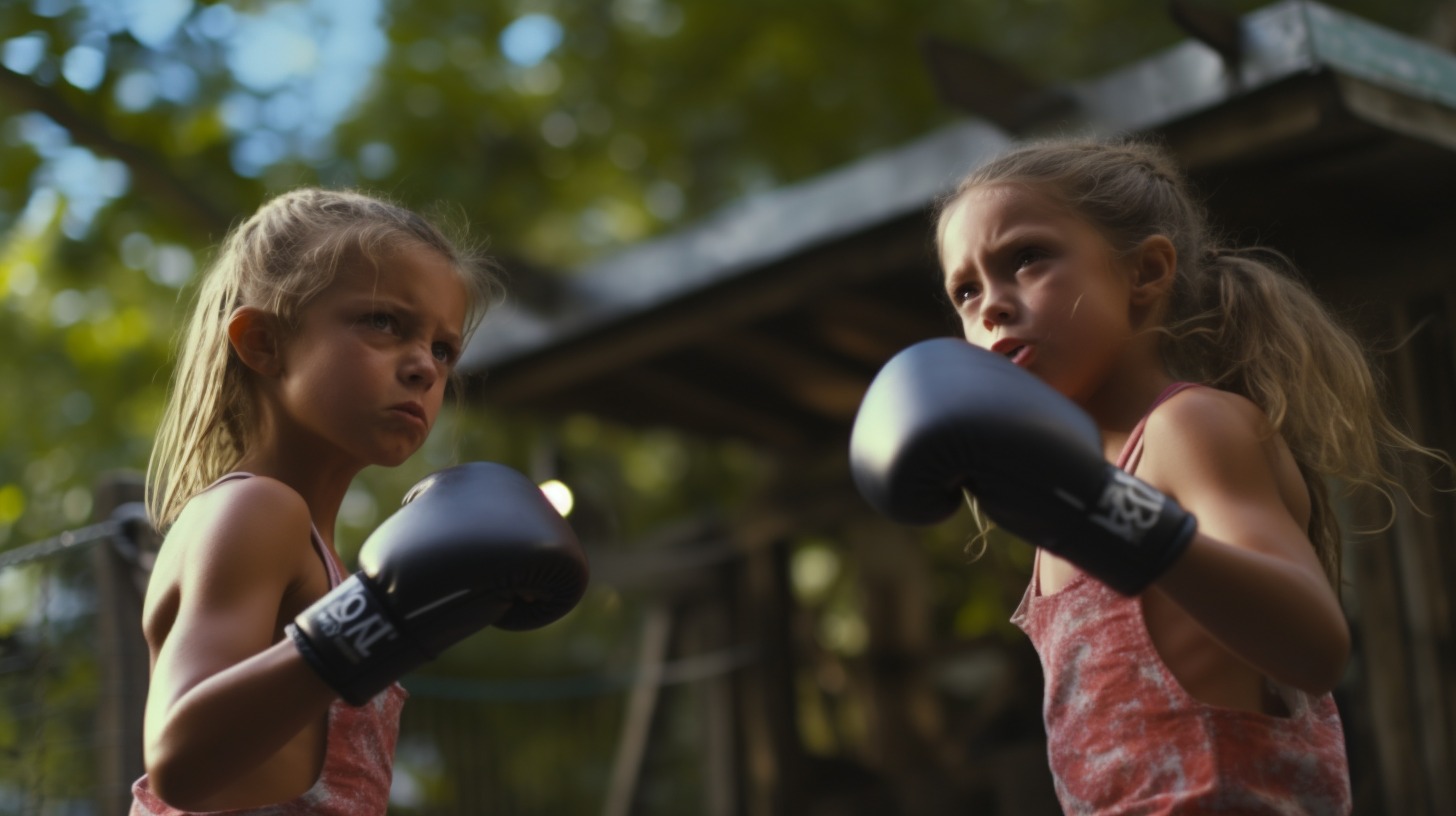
{"x": 62, "y": 742}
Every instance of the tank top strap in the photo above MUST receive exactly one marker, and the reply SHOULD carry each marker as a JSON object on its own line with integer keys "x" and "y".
{"x": 227, "y": 477}
{"x": 332, "y": 565}
{"x": 1132, "y": 450}
{"x": 331, "y": 562}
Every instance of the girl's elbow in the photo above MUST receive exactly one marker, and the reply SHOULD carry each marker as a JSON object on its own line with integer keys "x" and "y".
{"x": 170, "y": 780}
{"x": 168, "y": 785}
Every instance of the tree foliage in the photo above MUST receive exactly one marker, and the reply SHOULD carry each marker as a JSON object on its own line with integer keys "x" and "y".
{"x": 131, "y": 139}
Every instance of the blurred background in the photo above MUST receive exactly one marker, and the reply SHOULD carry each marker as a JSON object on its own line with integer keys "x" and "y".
{"x": 752, "y": 641}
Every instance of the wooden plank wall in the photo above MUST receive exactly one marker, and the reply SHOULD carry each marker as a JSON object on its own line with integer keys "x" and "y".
{"x": 1402, "y": 689}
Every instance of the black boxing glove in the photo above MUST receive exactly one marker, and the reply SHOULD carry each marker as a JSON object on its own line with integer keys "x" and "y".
{"x": 943, "y": 416}
{"x": 473, "y": 546}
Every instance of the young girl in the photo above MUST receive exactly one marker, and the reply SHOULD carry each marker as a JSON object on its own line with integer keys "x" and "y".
{"x": 321, "y": 343}
{"x": 1221, "y": 381}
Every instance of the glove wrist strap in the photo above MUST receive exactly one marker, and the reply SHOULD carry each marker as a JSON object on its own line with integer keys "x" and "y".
{"x": 350, "y": 638}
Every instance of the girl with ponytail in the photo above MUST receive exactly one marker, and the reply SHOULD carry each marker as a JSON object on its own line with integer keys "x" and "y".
{"x": 1218, "y": 378}
{"x": 321, "y": 342}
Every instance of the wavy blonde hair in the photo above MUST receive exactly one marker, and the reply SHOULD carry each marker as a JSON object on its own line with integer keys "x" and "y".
{"x": 278, "y": 260}
{"x": 1238, "y": 319}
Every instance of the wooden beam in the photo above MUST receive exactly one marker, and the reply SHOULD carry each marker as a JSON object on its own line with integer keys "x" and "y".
{"x": 887, "y": 317}
{"x": 857, "y": 342}
{"x": 690, "y": 399}
{"x": 872, "y": 331}
{"x": 771, "y": 290}
{"x": 1256, "y": 127}
{"x": 816, "y": 381}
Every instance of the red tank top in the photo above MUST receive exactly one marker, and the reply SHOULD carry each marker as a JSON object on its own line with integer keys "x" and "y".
{"x": 359, "y": 752}
{"x": 1123, "y": 737}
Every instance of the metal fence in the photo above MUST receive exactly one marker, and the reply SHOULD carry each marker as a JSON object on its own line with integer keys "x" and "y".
{"x": 60, "y": 737}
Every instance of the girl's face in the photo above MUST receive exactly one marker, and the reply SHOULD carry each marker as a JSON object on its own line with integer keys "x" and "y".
{"x": 1032, "y": 280}
{"x": 365, "y": 373}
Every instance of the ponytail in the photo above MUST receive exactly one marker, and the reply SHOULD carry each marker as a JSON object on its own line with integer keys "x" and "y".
{"x": 1240, "y": 320}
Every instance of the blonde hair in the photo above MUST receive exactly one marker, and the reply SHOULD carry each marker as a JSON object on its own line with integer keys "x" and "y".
{"x": 278, "y": 260}
{"x": 1236, "y": 319}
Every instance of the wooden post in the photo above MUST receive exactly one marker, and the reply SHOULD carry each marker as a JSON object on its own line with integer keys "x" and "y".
{"x": 121, "y": 653}
{"x": 722, "y": 772}
{"x": 906, "y": 719}
{"x": 637, "y": 725}
{"x": 773, "y": 762}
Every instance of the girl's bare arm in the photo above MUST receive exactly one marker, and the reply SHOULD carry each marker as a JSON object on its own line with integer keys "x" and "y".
{"x": 223, "y": 696}
{"x": 1250, "y": 577}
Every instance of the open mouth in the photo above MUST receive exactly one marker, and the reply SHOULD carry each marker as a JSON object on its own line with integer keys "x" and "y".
{"x": 1021, "y": 355}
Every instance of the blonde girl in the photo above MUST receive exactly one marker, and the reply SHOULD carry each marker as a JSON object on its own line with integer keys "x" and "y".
{"x": 1174, "y": 475}
{"x": 321, "y": 342}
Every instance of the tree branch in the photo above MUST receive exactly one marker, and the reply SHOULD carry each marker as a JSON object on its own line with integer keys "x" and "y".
{"x": 149, "y": 171}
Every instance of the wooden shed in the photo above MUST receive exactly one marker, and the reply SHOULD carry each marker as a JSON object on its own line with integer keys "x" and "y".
{"x": 1309, "y": 130}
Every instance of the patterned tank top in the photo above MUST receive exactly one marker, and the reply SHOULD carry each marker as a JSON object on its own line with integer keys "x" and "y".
{"x": 359, "y": 752}
{"x": 1124, "y": 737}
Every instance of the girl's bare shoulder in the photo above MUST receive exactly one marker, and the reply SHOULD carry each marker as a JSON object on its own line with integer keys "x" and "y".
{"x": 241, "y": 536}
{"x": 262, "y": 514}
{"x": 1205, "y": 437}
{"x": 1203, "y": 417}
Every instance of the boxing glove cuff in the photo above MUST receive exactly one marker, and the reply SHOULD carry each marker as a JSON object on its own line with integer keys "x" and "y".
{"x": 350, "y": 638}
{"x": 1133, "y": 535}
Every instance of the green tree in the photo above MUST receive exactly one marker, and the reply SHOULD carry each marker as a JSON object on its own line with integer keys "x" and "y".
{"x": 135, "y": 133}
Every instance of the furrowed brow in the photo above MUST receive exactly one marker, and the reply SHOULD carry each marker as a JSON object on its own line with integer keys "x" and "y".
{"x": 1022, "y": 237}
{"x": 966, "y": 272}
{"x": 374, "y": 300}
{"x": 452, "y": 337}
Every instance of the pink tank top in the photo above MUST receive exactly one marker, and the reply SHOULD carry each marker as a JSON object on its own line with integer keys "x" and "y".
{"x": 1123, "y": 737}
{"x": 359, "y": 752}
